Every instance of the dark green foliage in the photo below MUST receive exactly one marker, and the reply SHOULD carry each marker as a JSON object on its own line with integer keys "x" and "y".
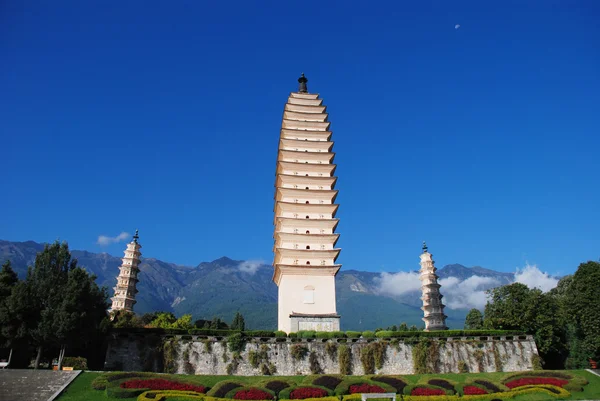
{"x": 516, "y": 307}
{"x": 236, "y": 342}
{"x": 331, "y": 382}
{"x": 463, "y": 367}
{"x": 446, "y": 333}
{"x": 582, "y": 309}
{"x": 372, "y": 356}
{"x": 276, "y": 386}
{"x": 474, "y": 320}
{"x": 280, "y": 334}
{"x": 420, "y": 356}
{"x": 9, "y": 321}
{"x": 232, "y": 366}
{"x": 124, "y": 319}
{"x": 345, "y": 359}
{"x": 76, "y": 362}
{"x": 298, "y": 352}
{"x": 353, "y": 334}
{"x": 331, "y": 350}
{"x": 315, "y": 366}
{"x": 445, "y": 384}
{"x": 396, "y": 383}
{"x": 222, "y": 388}
{"x": 491, "y": 387}
{"x": 238, "y": 322}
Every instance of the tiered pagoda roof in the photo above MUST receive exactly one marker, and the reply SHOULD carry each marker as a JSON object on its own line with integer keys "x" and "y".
{"x": 125, "y": 290}
{"x": 433, "y": 308}
{"x": 305, "y": 197}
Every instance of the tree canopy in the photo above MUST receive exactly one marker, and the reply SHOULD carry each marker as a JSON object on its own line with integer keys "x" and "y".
{"x": 474, "y": 320}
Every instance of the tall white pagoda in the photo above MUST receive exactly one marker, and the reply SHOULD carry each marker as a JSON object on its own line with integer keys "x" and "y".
{"x": 433, "y": 308}
{"x": 125, "y": 290}
{"x": 305, "y": 253}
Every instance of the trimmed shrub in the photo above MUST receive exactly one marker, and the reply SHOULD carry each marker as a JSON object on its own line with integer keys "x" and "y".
{"x": 445, "y": 384}
{"x": 76, "y": 362}
{"x": 473, "y": 390}
{"x": 353, "y": 334}
{"x": 368, "y": 334}
{"x": 526, "y": 381}
{"x": 281, "y": 334}
{"x": 345, "y": 386}
{"x": 302, "y": 393}
{"x": 488, "y": 385}
{"x": 221, "y": 389}
{"x": 161, "y": 384}
{"x": 331, "y": 382}
{"x": 160, "y": 395}
{"x": 252, "y": 393}
{"x": 276, "y": 386}
{"x": 305, "y": 392}
{"x": 365, "y": 388}
{"x": 306, "y": 334}
{"x": 100, "y": 383}
{"x": 420, "y": 391}
{"x": 396, "y": 383}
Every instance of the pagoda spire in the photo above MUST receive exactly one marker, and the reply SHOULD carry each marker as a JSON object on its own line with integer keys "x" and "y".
{"x": 125, "y": 289}
{"x": 433, "y": 308}
{"x": 305, "y": 239}
{"x": 302, "y": 88}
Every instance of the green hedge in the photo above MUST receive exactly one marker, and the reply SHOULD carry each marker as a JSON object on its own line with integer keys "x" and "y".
{"x": 448, "y": 333}
{"x": 344, "y": 387}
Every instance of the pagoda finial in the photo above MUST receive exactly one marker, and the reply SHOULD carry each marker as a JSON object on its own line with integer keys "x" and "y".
{"x": 302, "y": 88}
{"x": 136, "y": 236}
{"x": 424, "y": 247}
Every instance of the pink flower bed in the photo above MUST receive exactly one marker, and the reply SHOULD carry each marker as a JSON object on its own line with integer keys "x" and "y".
{"x": 162, "y": 384}
{"x": 307, "y": 392}
{"x": 426, "y": 391}
{"x": 526, "y": 381}
{"x": 473, "y": 390}
{"x": 252, "y": 394}
{"x": 365, "y": 388}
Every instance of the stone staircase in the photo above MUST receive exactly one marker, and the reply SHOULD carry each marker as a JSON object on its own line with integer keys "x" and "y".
{"x": 33, "y": 385}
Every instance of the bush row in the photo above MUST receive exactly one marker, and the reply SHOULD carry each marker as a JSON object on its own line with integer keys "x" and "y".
{"x": 322, "y": 334}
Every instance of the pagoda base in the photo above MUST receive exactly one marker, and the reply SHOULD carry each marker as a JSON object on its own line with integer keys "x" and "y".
{"x": 327, "y": 322}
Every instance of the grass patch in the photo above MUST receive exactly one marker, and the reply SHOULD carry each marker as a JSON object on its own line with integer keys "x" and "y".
{"x": 81, "y": 388}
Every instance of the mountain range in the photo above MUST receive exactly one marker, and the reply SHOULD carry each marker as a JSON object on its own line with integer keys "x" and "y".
{"x": 365, "y": 300}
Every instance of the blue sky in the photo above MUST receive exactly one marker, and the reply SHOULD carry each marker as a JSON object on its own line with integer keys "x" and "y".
{"x": 165, "y": 116}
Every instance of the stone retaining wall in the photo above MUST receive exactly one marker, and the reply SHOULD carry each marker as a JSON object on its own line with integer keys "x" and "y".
{"x": 210, "y": 355}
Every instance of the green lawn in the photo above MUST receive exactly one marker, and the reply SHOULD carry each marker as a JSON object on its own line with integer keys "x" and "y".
{"x": 81, "y": 389}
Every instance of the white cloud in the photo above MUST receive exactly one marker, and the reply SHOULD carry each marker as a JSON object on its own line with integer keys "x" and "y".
{"x": 456, "y": 26}
{"x": 533, "y": 277}
{"x": 398, "y": 283}
{"x": 103, "y": 240}
{"x": 466, "y": 294}
{"x": 251, "y": 266}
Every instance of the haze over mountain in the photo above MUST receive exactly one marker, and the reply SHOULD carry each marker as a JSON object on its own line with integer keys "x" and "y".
{"x": 365, "y": 300}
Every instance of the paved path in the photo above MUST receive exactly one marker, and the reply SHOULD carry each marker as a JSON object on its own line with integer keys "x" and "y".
{"x": 33, "y": 385}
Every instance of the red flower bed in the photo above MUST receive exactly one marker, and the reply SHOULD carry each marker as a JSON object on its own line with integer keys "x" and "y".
{"x": 307, "y": 392}
{"x": 427, "y": 391}
{"x": 526, "y": 381}
{"x": 472, "y": 390}
{"x": 365, "y": 388}
{"x": 252, "y": 394}
{"x": 162, "y": 384}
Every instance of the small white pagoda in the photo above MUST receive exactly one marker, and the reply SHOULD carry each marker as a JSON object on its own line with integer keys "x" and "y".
{"x": 125, "y": 290}
{"x": 305, "y": 253}
{"x": 433, "y": 308}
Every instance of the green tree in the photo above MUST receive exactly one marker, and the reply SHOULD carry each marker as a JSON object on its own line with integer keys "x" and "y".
{"x": 125, "y": 319}
{"x": 164, "y": 320}
{"x": 403, "y": 327}
{"x": 8, "y": 280}
{"x": 516, "y": 307}
{"x": 474, "y": 320}
{"x": 238, "y": 322}
{"x": 81, "y": 311}
{"x": 582, "y": 309}
{"x": 46, "y": 282}
{"x": 184, "y": 322}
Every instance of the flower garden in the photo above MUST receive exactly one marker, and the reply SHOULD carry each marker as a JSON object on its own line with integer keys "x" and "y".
{"x": 536, "y": 385}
